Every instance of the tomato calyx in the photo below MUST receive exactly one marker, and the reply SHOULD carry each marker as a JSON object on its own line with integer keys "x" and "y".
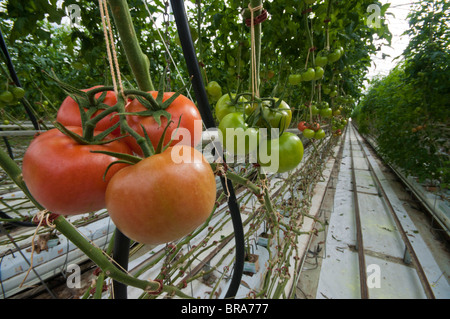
{"x": 271, "y": 113}
{"x": 99, "y": 139}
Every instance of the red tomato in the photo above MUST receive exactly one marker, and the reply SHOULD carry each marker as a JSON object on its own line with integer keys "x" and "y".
{"x": 64, "y": 176}
{"x": 315, "y": 126}
{"x": 161, "y": 199}
{"x": 302, "y": 126}
{"x": 181, "y": 106}
{"x": 69, "y": 112}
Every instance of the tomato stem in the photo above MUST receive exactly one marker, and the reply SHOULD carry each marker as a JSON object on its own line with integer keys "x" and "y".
{"x": 137, "y": 60}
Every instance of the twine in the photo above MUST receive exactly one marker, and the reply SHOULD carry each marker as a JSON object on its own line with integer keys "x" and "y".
{"x": 255, "y": 88}
{"x": 221, "y": 171}
{"x": 40, "y": 216}
{"x": 110, "y": 48}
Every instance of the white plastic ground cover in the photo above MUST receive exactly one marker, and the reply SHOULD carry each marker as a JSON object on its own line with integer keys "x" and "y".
{"x": 439, "y": 284}
{"x": 339, "y": 277}
{"x": 50, "y": 262}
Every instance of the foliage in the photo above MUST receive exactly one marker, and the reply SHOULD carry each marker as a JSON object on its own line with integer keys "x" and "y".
{"x": 408, "y": 110}
{"x": 78, "y": 56}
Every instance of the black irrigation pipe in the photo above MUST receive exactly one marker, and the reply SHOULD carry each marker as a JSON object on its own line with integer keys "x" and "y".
{"x": 121, "y": 252}
{"x": 205, "y": 111}
{"x": 14, "y": 77}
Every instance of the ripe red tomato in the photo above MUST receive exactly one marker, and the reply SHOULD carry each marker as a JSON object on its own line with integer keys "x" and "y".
{"x": 69, "y": 112}
{"x": 180, "y": 107}
{"x": 314, "y": 126}
{"x": 64, "y": 176}
{"x": 302, "y": 126}
{"x": 162, "y": 198}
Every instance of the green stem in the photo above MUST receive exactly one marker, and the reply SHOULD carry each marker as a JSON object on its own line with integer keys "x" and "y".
{"x": 15, "y": 173}
{"x": 137, "y": 60}
{"x": 240, "y": 180}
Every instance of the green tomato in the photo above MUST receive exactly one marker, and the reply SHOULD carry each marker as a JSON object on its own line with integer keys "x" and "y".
{"x": 308, "y": 75}
{"x": 6, "y": 97}
{"x": 225, "y": 106}
{"x": 18, "y": 92}
{"x": 334, "y": 56}
{"x": 324, "y": 105}
{"x": 214, "y": 89}
{"x": 319, "y": 71}
{"x": 308, "y": 133}
{"x": 280, "y": 154}
{"x": 237, "y": 137}
{"x": 295, "y": 79}
{"x": 314, "y": 109}
{"x": 326, "y": 89}
{"x": 277, "y": 118}
{"x": 333, "y": 93}
{"x": 321, "y": 60}
{"x": 326, "y": 112}
{"x": 319, "y": 134}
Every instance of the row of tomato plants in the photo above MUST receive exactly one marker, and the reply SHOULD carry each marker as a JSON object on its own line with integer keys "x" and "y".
{"x": 115, "y": 150}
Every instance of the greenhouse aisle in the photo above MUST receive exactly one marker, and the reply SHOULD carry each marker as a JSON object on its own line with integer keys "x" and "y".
{"x": 332, "y": 268}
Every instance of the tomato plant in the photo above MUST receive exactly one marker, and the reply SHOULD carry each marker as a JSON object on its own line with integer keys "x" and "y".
{"x": 162, "y": 197}
{"x": 66, "y": 177}
{"x": 184, "y": 114}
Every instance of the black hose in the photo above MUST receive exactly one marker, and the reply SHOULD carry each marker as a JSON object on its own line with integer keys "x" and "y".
{"x": 16, "y": 223}
{"x": 121, "y": 253}
{"x": 207, "y": 117}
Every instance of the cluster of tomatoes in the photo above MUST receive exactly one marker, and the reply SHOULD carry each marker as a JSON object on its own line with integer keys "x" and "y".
{"x": 151, "y": 199}
{"x": 337, "y": 125}
{"x": 314, "y": 74}
{"x": 11, "y": 95}
{"x": 311, "y": 130}
{"x": 418, "y": 128}
{"x": 249, "y": 121}
{"x": 309, "y": 75}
